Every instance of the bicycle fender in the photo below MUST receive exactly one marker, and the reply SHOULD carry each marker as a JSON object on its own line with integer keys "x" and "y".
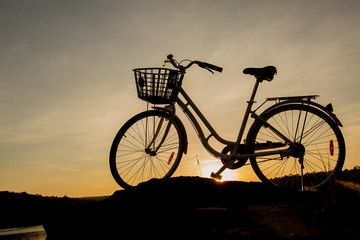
{"x": 181, "y": 125}
{"x": 327, "y": 109}
{"x": 183, "y": 132}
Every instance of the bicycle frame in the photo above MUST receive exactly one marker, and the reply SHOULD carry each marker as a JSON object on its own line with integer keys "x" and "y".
{"x": 268, "y": 148}
{"x": 205, "y": 140}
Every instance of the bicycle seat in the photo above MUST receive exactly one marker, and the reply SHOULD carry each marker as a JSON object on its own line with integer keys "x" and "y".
{"x": 265, "y": 73}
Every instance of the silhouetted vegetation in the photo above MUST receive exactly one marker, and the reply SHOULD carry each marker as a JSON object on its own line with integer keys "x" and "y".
{"x": 23, "y": 209}
{"x": 309, "y": 179}
{"x": 352, "y": 175}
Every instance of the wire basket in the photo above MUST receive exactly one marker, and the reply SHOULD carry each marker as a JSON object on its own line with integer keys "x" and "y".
{"x": 157, "y": 85}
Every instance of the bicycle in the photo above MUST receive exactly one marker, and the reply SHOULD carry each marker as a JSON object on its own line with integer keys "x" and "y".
{"x": 295, "y": 143}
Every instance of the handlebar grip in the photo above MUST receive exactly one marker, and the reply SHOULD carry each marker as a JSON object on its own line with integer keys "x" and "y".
{"x": 211, "y": 66}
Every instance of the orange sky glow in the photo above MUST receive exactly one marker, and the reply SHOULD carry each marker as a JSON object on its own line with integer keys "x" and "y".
{"x": 67, "y": 86}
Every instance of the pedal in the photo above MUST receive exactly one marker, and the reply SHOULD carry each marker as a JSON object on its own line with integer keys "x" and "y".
{"x": 215, "y": 176}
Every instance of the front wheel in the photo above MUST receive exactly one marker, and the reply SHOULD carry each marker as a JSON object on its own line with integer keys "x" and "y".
{"x": 319, "y": 144}
{"x": 146, "y": 147}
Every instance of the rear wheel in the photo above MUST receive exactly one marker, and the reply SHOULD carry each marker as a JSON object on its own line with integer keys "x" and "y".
{"x": 139, "y": 152}
{"x": 318, "y": 152}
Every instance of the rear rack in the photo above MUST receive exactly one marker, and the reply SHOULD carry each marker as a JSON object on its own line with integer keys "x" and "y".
{"x": 307, "y": 97}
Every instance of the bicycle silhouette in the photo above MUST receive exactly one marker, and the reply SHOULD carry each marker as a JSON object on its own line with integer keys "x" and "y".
{"x": 295, "y": 143}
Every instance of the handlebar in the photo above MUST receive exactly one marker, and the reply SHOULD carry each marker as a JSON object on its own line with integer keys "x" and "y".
{"x": 211, "y": 66}
{"x": 207, "y": 66}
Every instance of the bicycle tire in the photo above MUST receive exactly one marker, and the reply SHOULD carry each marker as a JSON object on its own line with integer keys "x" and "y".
{"x": 131, "y": 163}
{"x": 315, "y": 130}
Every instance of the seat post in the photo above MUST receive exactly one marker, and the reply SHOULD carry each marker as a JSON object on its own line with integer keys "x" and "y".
{"x": 246, "y": 117}
{"x": 241, "y": 132}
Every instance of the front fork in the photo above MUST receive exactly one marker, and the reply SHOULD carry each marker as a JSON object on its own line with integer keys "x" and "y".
{"x": 171, "y": 110}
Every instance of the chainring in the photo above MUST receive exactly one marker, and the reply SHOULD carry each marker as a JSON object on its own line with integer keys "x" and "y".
{"x": 239, "y": 162}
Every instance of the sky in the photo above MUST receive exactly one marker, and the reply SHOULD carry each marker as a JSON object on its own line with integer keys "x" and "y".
{"x": 67, "y": 86}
